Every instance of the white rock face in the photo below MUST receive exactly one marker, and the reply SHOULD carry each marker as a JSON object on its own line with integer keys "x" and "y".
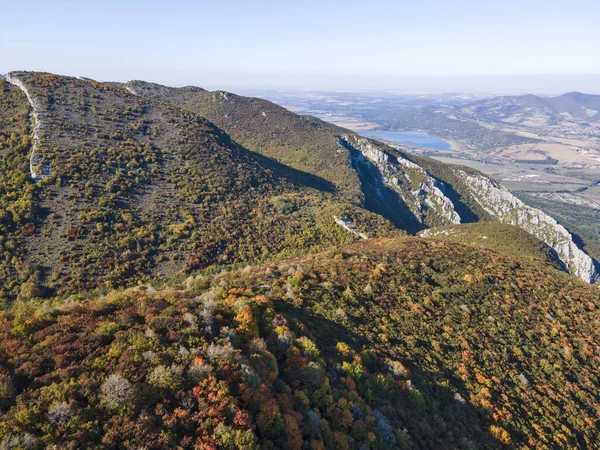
{"x": 507, "y": 208}
{"x": 131, "y": 90}
{"x": 347, "y": 224}
{"x": 428, "y": 193}
{"x": 428, "y": 233}
{"x": 38, "y": 170}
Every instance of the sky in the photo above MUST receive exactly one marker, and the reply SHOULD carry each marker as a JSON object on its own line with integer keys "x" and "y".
{"x": 419, "y": 45}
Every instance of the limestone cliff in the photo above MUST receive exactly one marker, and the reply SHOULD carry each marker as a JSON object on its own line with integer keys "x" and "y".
{"x": 421, "y": 193}
{"x": 507, "y": 208}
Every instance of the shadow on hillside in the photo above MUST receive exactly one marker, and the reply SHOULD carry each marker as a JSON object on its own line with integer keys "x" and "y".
{"x": 579, "y": 242}
{"x": 431, "y": 414}
{"x": 381, "y": 199}
{"x": 465, "y": 213}
{"x": 295, "y": 176}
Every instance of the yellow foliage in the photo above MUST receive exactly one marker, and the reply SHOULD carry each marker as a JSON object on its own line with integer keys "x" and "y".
{"x": 343, "y": 348}
{"x": 501, "y": 434}
{"x": 245, "y": 321}
{"x": 482, "y": 380}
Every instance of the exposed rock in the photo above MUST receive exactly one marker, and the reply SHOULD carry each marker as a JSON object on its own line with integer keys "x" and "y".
{"x": 434, "y": 233}
{"x": 130, "y": 89}
{"x": 414, "y": 184}
{"x": 38, "y": 170}
{"x": 348, "y": 225}
{"x": 507, "y": 208}
{"x": 460, "y": 399}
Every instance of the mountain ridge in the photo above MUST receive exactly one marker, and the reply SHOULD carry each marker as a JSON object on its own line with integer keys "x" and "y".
{"x": 571, "y": 105}
{"x": 387, "y": 186}
{"x": 389, "y": 343}
{"x": 146, "y": 147}
{"x": 123, "y": 165}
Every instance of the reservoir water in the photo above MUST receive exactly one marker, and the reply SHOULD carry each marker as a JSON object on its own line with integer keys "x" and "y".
{"x": 414, "y": 138}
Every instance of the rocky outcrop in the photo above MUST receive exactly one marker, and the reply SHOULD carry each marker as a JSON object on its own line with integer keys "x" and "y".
{"x": 421, "y": 192}
{"x": 425, "y": 196}
{"x": 506, "y": 208}
{"x": 348, "y": 226}
{"x": 130, "y": 89}
{"x": 37, "y": 169}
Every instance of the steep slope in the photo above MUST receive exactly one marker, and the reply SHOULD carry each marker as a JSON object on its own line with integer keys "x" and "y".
{"x": 383, "y": 170}
{"x": 302, "y": 142}
{"x": 580, "y": 217}
{"x": 507, "y": 208}
{"x": 37, "y": 170}
{"x": 18, "y": 193}
{"x": 134, "y": 188}
{"x": 363, "y": 170}
{"x": 385, "y": 344}
{"x": 454, "y": 194}
{"x": 146, "y": 145}
{"x": 491, "y": 201}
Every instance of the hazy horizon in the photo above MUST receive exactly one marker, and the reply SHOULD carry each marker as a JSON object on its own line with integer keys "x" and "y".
{"x": 544, "y": 47}
{"x": 542, "y": 84}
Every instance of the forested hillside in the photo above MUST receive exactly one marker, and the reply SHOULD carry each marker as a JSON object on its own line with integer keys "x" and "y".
{"x": 168, "y": 283}
{"x": 302, "y": 142}
{"x": 403, "y": 343}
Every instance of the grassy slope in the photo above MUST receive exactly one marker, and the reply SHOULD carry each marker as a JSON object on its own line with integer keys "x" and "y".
{"x": 373, "y": 346}
{"x": 506, "y": 239}
{"x": 142, "y": 188}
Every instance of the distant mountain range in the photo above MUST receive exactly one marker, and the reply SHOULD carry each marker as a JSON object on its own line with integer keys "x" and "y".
{"x": 518, "y": 109}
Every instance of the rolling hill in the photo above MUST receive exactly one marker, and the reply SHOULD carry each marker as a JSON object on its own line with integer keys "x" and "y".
{"x": 531, "y": 108}
{"x": 389, "y": 343}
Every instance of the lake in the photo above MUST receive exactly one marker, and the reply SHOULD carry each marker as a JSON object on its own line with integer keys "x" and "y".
{"x": 414, "y": 138}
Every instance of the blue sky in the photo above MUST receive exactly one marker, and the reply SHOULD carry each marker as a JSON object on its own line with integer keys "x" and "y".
{"x": 308, "y": 44}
